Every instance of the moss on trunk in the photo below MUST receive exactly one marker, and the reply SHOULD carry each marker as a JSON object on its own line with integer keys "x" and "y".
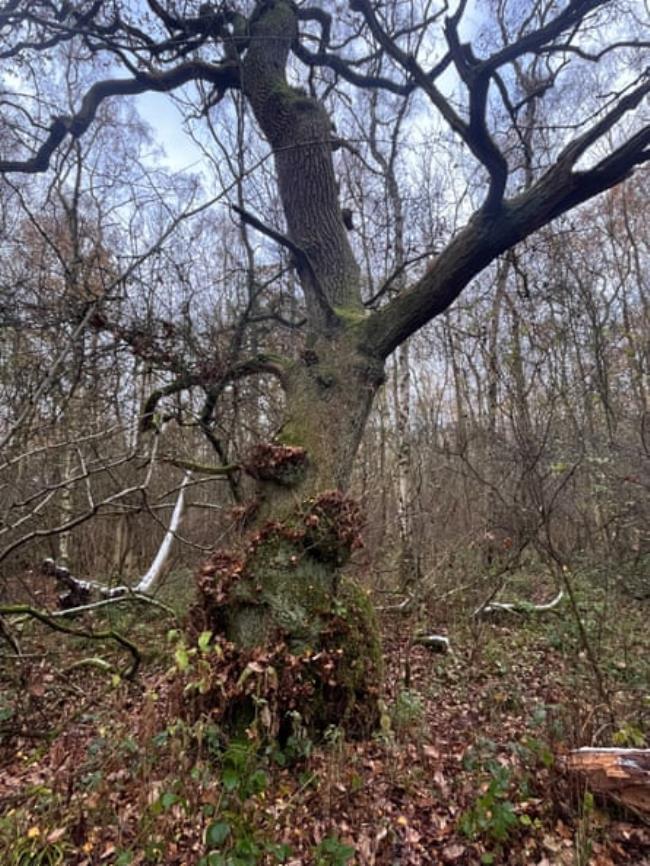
{"x": 281, "y": 605}
{"x": 295, "y": 636}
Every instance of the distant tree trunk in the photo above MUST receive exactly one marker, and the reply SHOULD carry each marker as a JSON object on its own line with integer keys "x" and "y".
{"x": 529, "y": 496}
{"x": 384, "y": 423}
{"x": 123, "y": 564}
{"x": 66, "y": 509}
{"x": 492, "y": 361}
{"x": 396, "y": 239}
{"x": 408, "y": 561}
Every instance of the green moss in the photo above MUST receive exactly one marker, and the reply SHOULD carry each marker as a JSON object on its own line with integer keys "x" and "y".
{"x": 295, "y": 95}
{"x": 273, "y": 15}
{"x": 340, "y": 631}
{"x": 290, "y": 599}
{"x": 365, "y": 662}
{"x": 350, "y": 697}
{"x": 351, "y": 316}
{"x": 295, "y": 433}
{"x": 291, "y": 593}
{"x": 250, "y": 627}
{"x": 330, "y": 677}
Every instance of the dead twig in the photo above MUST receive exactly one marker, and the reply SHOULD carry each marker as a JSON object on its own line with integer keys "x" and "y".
{"x": 26, "y": 610}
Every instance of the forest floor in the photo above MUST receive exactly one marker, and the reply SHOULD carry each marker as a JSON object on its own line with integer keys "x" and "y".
{"x": 468, "y": 767}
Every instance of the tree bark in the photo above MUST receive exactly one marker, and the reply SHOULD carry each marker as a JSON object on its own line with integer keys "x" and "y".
{"x": 299, "y": 131}
{"x": 281, "y": 592}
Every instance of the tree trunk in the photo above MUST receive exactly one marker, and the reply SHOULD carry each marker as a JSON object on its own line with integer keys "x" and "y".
{"x": 298, "y": 637}
{"x": 306, "y": 635}
{"x": 409, "y": 566}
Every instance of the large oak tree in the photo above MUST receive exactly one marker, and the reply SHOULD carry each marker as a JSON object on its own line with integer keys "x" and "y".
{"x": 282, "y": 587}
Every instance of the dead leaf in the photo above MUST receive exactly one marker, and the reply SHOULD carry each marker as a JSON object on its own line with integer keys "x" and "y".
{"x": 453, "y": 852}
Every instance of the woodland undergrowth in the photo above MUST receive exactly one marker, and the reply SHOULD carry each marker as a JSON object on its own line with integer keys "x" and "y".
{"x": 466, "y": 766}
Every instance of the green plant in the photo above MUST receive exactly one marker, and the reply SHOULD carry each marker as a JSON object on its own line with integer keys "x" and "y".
{"x": 407, "y": 711}
{"x": 583, "y": 841}
{"x": 232, "y": 837}
{"x": 534, "y": 753}
{"x": 629, "y": 735}
{"x": 240, "y": 771}
{"x": 298, "y": 746}
{"x": 492, "y": 816}
{"x": 169, "y": 798}
{"x": 193, "y": 663}
{"x": 239, "y": 849}
{"x": 154, "y": 851}
{"x": 34, "y": 849}
{"x": 332, "y": 852}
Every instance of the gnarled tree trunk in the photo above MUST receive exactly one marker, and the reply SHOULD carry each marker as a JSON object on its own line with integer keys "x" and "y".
{"x": 282, "y": 589}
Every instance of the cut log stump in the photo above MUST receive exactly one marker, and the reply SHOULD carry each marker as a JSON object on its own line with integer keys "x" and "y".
{"x": 623, "y": 774}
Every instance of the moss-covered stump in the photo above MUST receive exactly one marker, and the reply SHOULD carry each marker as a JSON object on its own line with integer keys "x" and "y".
{"x": 296, "y": 641}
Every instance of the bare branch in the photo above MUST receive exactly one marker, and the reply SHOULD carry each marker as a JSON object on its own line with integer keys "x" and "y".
{"x": 573, "y": 14}
{"x": 573, "y": 151}
{"x": 302, "y": 259}
{"x": 201, "y": 468}
{"x": 225, "y": 76}
{"x": 25, "y": 610}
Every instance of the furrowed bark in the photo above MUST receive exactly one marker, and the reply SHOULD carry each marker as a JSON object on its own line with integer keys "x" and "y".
{"x": 299, "y": 131}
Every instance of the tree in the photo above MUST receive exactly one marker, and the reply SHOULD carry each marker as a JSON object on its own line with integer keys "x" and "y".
{"x": 285, "y": 63}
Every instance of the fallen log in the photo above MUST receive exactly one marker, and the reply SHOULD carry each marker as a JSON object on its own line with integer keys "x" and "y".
{"x": 623, "y": 774}
{"x": 494, "y": 609}
{"x": 82, "y": 593}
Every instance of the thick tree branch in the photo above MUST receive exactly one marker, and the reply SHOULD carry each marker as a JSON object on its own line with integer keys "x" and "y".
{"x": 478, "y": 138}
{"x": 184, "y": 383}
{"x": 486, "y": 237}
{"x": 225, "y": 76}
